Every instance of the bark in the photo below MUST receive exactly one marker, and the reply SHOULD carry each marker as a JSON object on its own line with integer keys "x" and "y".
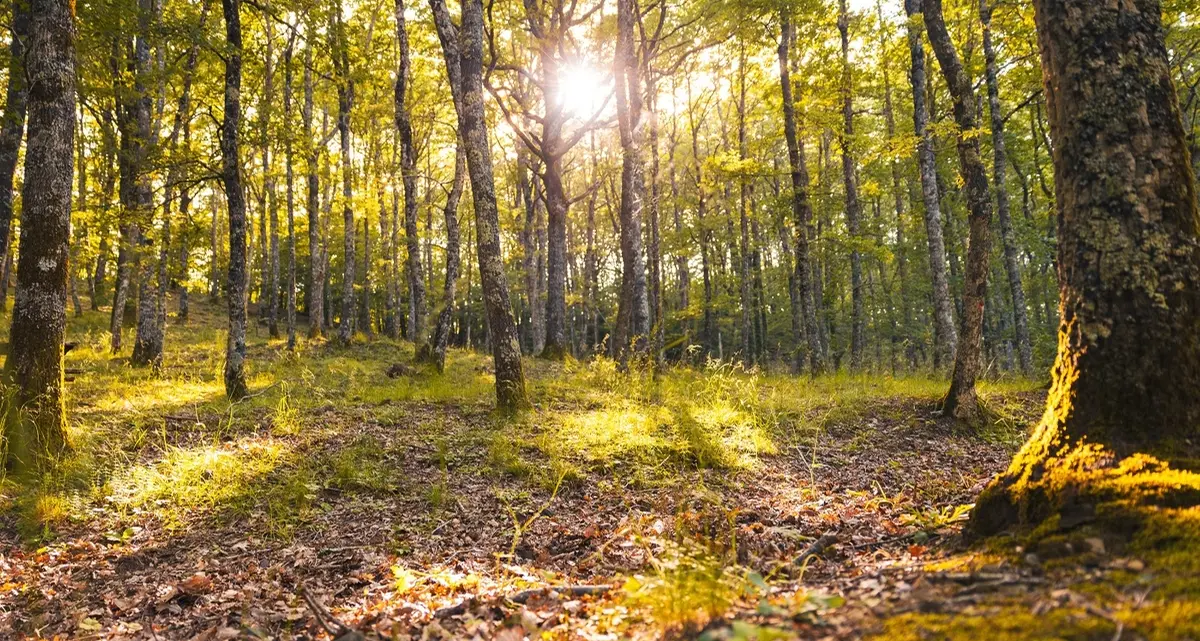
{"x": 408, "y": 171}
{"x": 238, "y": 284}
{"x": 853, "y": 208}
{"x": 12, "y": 127}
{"x": 316, "y": 259}
{"x": 743, "y": 267}
{"x": 999, "y": 166}
{"x": 464, "y": 63}
{"x": 269, "y": 200}
{"x": 961, "y": 401}
{"x": 1125, "y": 377}
{"x": 345, "y": 94}
{"x": 945, "y": 334}
{"x": 290, "y": 299}
{"x": 806, "y": 330}
{"x": 441, "y": 331}
{"x": 633, "y": 314}
{"x": 34, "y": 365}
{"x": 899, "y": 199}
{"x": 525, "y": 188}
{"x": 148, "y": 341}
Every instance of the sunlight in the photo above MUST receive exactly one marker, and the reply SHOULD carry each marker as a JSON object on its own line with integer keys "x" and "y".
{"x": 583, "y": 90}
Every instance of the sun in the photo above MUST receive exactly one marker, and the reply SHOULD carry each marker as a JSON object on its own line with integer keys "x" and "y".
{"x": 582, "y": 90}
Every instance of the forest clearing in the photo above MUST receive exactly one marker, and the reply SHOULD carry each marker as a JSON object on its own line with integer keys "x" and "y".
{"x": 600, "y": 319}
{"x": 394, "y": 500}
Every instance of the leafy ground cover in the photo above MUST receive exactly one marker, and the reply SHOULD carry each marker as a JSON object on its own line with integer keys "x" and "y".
{"x": 713, "y": 503}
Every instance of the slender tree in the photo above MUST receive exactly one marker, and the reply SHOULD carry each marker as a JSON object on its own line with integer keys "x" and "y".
{"x": 944, "y": 333}
{"x": 408, "y": 174}
{"x": 633, "y": 315}
{"x": 853, "y": 207}
{"x": 239, "y": 277}
{"x": 801, "y": 210}
{"x": 12, "y": 127}
{"x": 1008, "y": 243}
{"x": 961, "y": 401}
{"x": 463, "y": 49}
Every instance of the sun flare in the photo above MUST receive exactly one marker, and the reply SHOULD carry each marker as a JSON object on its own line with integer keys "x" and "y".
{"x": 582, "y": 90}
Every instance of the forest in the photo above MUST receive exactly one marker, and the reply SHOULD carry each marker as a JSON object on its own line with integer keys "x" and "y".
{"x": 600, "y": 319}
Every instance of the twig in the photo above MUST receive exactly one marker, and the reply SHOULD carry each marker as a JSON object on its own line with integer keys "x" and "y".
{"x": 324, "y": 617}
{"x": 524, "y": 596}
{"x": 260, "y": 392}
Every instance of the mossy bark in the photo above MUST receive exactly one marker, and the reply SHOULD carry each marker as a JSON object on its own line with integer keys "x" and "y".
{"x": 35, "y": 412}
{"x": 231, "y": 177}
{"x": 1126, "y": 379}
{"x": 961, "y": 401}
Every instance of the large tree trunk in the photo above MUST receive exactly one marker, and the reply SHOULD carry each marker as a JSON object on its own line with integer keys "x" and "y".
{"x": 853, "y": 208}
{"x": 235, "y": 349}
{"x": 316, "y": 260}
{"x": 12, "y": 127}
{"x": 801, "y": 213}
{"x": 633, "y": 316}
{"x": 1125, "y": 378}
{"x": 464, "y": 62}
{"x": 999, "y": 167}
{"x": 408, "y": 171}
{"x": 961, "y": 401}
{"x": 34, "y": 365}
{"x": 944, "y": 332}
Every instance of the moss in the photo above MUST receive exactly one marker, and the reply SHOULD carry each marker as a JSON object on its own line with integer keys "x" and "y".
{"x": 1004, "y": 623}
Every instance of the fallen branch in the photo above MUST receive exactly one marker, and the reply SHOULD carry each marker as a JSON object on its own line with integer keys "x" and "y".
{"x": 816, "y": 548}
{"x": 524, "y": 596}
{"x": 327, "y": 621}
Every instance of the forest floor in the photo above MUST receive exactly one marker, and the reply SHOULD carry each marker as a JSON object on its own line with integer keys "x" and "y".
{"x": 621, "y": 506}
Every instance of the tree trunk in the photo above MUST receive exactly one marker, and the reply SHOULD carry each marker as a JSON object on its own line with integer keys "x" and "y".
{"x": 801, "y": 212}
{"x": 291, "y": 197}
{"x": 945, "y": 334}
{"x": 269, "y": 199}
{"x": 1124, "y": 380}
{"x": 235, "y": 350}
{"x": 35, "y": 360}
{"x": 345, "y": 93}
{"x": 633, "y": 316}
{"x": 464, "y": 62}
{"x": 961, "y": 401}
{"x": 441, "y": 331}
{"x": 316, "y": 259}
{"x": 853, "y": 208}
{"x": 556, "y": 259}
{"x": 12, "y": 128}
{"x": 148, "y": 341}
{"x": 408, "y": 170}
{"x": 999, "y": 167}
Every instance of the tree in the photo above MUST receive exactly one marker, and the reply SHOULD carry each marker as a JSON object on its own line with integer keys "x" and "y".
{"x": 239, "y": 277}
{"x": 463, "y": 49}
{"x": 801, "y": 208}
{"x": 1124, "y": 380}
{"x": 316, "y": 259}
{"x": 945, "y": 335}
{"x": 36, "y": 426}
{"x": 408, "y": 173}
{"x": 853, "y": 207}
{"x": 961, "y": 401}
{"x": 633, "y": 316}
{"x": 340, "y": 52}
{"x": 12, "y": 127}
{"x": 1003, "y": 214}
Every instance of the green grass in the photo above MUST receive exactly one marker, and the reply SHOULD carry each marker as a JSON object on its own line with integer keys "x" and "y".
{"x": 171, "y": 444}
